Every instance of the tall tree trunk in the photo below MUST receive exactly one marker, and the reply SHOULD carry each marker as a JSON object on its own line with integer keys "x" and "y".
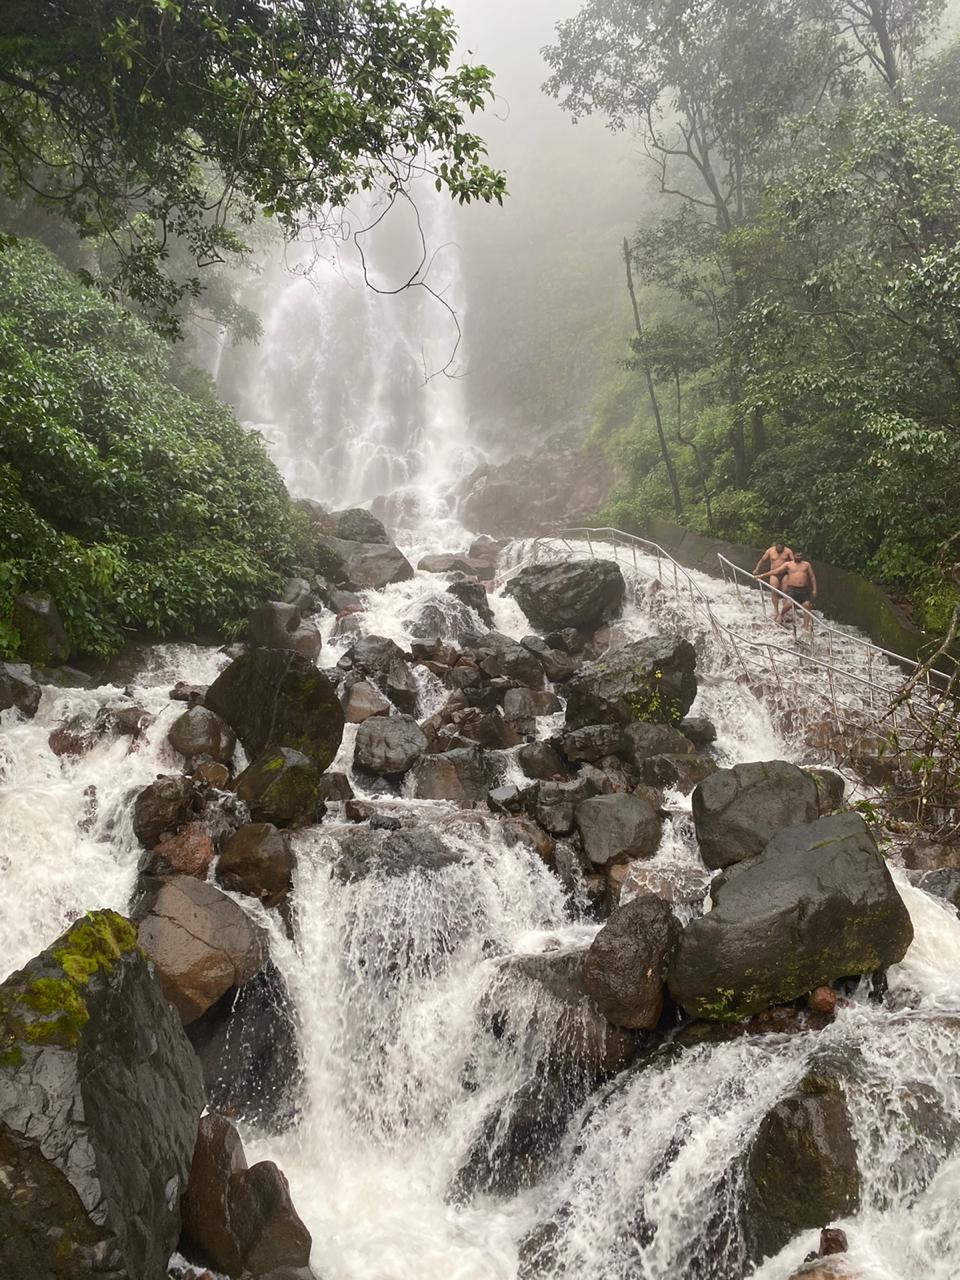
{"x": 758, "y": 431}
{"x": 654, "y": 402}
{"x": 698, "y": 457}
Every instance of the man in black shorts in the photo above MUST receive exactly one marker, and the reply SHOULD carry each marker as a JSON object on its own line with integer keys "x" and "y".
{"x": 799, "y": 583}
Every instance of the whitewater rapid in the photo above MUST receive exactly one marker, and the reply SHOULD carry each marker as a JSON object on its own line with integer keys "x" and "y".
{"x": 394, "y": 978}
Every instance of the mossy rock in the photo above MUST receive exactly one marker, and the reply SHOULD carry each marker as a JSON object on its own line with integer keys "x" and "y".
{"x": 281, "y": 786}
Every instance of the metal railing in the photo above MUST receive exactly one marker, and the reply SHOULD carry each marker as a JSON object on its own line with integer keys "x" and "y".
{"x": 854, "y": 701}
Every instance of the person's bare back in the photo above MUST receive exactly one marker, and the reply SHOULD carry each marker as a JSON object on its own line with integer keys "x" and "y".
{"x": 778, "y": 557}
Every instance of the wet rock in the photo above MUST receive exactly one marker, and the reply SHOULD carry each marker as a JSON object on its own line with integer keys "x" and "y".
{"x": 335, "y": 787}
{"x": 72, "y": 738}
{"x": 483, "y": 554}
{"x": 212, "y": 774}
{"x": 474, "y": 596}
{"x": 446, "y": 563}
{"x": 64, "y": 677}
{"x": 123, "y": 719}
{"x": 356, "y": 524}
{"x": 651, "y": 679}
{"x": 342, "y": 602}
{"x": 100, "y": 1095}
{"x": 942, "y": 884}
{"x": 389, "y": 746}
{"x": 524, "y": 706}
{"x": 363, "y": 700}
{"x": 401, "y": 687}
{"x": 43, "y": 640}
{"x": 817, "y": 905}
{"x": 258, "y": 861}
{"x": 523, "y": 832}
{"x": 276, "y": 625}
{"x": 19, "y": 689}
{"x": 188, "y": 852}
{"x": 558, "y": 666}
{"x": 248, "y": 1045}
{"x": 368, "y": 851}
{"x": 182, "y": 691}
{"x": 573, "y": 593}
{"x": 471, "y": 725}
{"x": 540, "y": 761}
{"x": 200, "y": 941}
{"x": 163, "y": 806}
{"x": 316, "y": 512}
{"x": 385, "y": 822}
{"x": 384, "y": 662}
{"x": 642, "y": 740}
{"x": 701, "y": 731}
{"x": 737, "y": 811}
{"x": 617, "y": 828}
{"x": 626, "y": 965}
{"x": 275, "y": 698}
{"x": 464, "y": 776}
{"x": 567, "y": 639}
{"x": 240, "y": 1218}
{"x": 922, "y": 854}
{"x": 298, "y": 592}
{"x": 280, "y": 786}
{"x": 555, "y": 803}
{"x": 593, "y": 742}
{"x": 831, "y": 787}
{"x": 506, "y": 799}
{"x": 201, "y": 732}
{"x": 823, "y": 1000}
{"x": 682, "y": 773}
{"x": 803, "y": 1169}
{"x": 363, "y": 566}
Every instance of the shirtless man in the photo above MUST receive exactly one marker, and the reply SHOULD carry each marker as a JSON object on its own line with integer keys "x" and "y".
{"x": 778, "y": 557}
{"x": 800, "y": 586}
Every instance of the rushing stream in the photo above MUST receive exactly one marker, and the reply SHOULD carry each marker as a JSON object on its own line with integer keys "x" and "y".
{"x": 394, "y": 978}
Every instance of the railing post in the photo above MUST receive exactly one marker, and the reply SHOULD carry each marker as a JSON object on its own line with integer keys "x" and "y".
{"x": 633, "y": 548}
{"x": 590, "y": 545}
{"x": 676, "y": 581}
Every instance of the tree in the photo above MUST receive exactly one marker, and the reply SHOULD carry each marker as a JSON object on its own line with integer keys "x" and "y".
{"x": 145, "y": 121}
{"x": 886, "y": 34}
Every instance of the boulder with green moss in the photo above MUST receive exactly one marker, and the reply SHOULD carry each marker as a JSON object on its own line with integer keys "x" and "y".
{"x": 653, "y": 679}
{"x": 817, "y": 905}
{"x": 281, "y": 786}
{"x": 100, "y": 1096}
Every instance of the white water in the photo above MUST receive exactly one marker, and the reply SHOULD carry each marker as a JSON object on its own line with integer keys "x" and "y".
{"x": 395, "y": 980}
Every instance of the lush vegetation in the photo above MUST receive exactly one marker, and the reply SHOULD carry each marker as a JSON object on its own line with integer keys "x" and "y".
{"x": 793, "y": 368}
{"x": 163, "y": 129}
{"x": 138, "y": 505}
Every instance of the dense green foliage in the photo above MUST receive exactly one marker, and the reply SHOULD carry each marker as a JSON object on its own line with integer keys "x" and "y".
{"x": 797, "y": 326}
{"x": 163, "y": 128}
{"x": 137, "y": 505}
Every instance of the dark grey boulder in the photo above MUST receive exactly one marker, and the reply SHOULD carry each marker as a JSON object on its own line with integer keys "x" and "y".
{"x": 498, "y": 656}
{"x": 334, "y": 787}
{"x": 593, "y": 743}
{"x": 241, "y": 1219}
{"x": 276, "y": 625}
{"x": 682, "y": 773}
{"x": 361, "y": 700}
{"x": 525, "y": 705}
{"x": 385, "y": 664}
{"x": 944, "y": 883}
{"x": 802, "y": 1169}
{"x": 652, "y": 679}
{"x": 356, "y": 524}
{"x": 445, "y": 563}
{"x": 248, "y": 1046}
{"x": 276, "y": 698}
{"x": 259, "y": 862}
{"x": 558, "y": 666}
{"x": 474, "y": 596}
{"x": 464, "y": 776}
{"x": 831, "y": 787}
{"x": 281, "y": 786}
{"x": 389, "y": 745}
{"x": 378, "y": 852}
{"x": 817, "y": 905}
{"x": 737, "y": 811}
{"x": 201, "y": 732}
{"x": 163, "y": 806}
{"x": 43, "y": 641}
{"x": 924, "y": 854}
{"x": 554, "y": 804}
{"x": 641, "y": 740}
{"x": 124, "y": 719}
{"x": 626, "y": 966}
{"x": 617, "y": 828}
{"x": 363, "y": 566}
{"x": 701, "y": 731}
{"x": 19, "y": 689}
{"x": 100, "y": 1095}
{"x": 299, "y": 592}
{"x": 201, "y": 943}
{"x": 539, "y": 760}
{"x": 574, "y": 593}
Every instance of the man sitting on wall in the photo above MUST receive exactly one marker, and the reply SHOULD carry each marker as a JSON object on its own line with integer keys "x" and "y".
{"x": 800, "y": 586}
{"x": 778, "y": 557}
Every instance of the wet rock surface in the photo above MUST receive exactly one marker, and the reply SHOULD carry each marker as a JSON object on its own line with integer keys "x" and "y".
{"x": 370, "y": 852}
{"x": 617, "y": 828}
{"x": 100, "y": 1096}
{"x": 364, "y": 566}
{"x": 737, "y": 811}
{"x": 280, "y": 786}
{"x": 389, "y": 746}
{"x": 579, "y": 594}
{"x": 278, "y": 625}
{"x": 258, "y": 861}
{"x": 199, "y": 732}
{"x": 464, "y": 775}
{"x": 626, "y": 965}
{"x": 652, "y": 679}
{"x": 18, "y": 688}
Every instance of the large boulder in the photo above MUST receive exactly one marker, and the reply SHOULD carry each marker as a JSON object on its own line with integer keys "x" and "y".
{"x": 363, "y": 566}
{"x": 356, "y": 524}
{"x": 162, "y": 807}
{"x": 817, "y": 905}
{"x": 276, "y": 698}
{"x": 389, "y": 745}
{"x": 574, "y": 593}
{"x": 385, "y": 663}
{"x": 617, "y": 828}
{"x": 626, "y": 965}
{"x": 241, "y": 1219}
{"x": 445, "y": 562}
{"x": 277, "y": 625}
{"x": 474, "y": 596}
{"x": 802, "y": 1166}
{"x": 371, "y": 851}
{"x": 464, "y": 776}
{"x": 737, "y": 811}
{"x": 43, "y": 640}
{"x": 650, "y": 679}
{"x": 200, "y": 941}
{"x": 201, "y": 732}
{"x": 280, "y": 786}
{"x": 100, "y": 1096}
{"x": 19, "y": 689}
{"x": 259, "y": 862}
{"x": 361, "y": 700}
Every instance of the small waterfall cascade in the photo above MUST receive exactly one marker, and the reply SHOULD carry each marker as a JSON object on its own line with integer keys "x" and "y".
{"x": 426, "y": 1047}
{"x": 359, "y": 390}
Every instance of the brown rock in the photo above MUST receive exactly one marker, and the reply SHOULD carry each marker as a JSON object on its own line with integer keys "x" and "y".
{"x": 521, "y": 831}
{"x": 822, "y": 1000}
{"x": 363, "y": 700}
{"x": 257, "y": 861}
{"x": 213, "y": 774}
{"x": 189, "y": 852}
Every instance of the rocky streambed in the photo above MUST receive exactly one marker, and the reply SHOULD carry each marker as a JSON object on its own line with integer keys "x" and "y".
{"x": 442, "y": 931}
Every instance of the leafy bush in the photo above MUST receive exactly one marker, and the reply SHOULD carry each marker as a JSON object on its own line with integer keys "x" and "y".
{"x": 138, "y": 506}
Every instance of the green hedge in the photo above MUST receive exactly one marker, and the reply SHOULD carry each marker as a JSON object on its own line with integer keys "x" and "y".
{"x": 138, "y": 506}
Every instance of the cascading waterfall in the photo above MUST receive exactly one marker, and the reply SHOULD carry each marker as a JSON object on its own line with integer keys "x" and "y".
{"x": 423, "y": 1039}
